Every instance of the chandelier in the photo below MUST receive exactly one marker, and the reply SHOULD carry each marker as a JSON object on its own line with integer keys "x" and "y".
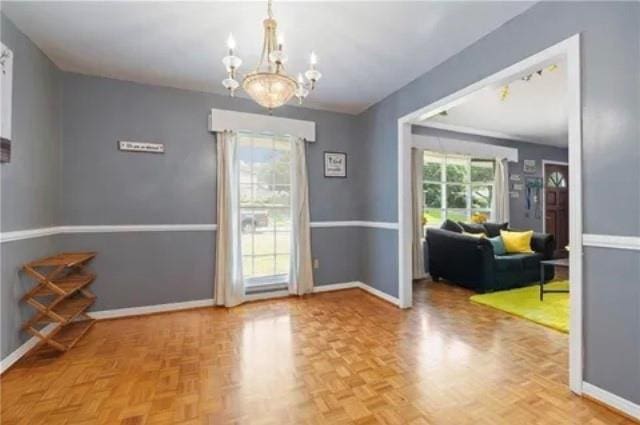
{"x": 269, "y": 84}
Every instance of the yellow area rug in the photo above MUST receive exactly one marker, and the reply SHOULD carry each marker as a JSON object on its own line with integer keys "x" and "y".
{"x": 525, "y": 302}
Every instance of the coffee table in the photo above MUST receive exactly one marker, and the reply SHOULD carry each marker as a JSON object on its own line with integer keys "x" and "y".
{"x": 559, "y": 262}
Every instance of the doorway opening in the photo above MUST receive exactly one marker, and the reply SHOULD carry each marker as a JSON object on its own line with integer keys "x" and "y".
{"x": 567, "y": 51}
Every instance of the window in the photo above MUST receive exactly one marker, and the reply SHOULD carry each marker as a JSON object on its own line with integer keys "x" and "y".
{"x": 456, "y": 188}
{"x": 556, "y": 180}
{"x": 265, "y": 208}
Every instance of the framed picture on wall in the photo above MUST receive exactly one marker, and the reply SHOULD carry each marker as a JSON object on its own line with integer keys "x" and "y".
{"x": 335, "y": 164}
{"x": 529, "y": 166}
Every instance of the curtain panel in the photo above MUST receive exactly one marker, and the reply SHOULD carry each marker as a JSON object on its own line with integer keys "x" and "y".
{"x": 229, "y": 285}
{"x": 500, "y": 201}
{"x": 417, "y": 251}
{"x": 300, "y": 272}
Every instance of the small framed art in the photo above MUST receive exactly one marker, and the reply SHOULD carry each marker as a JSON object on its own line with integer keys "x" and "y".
{"x": 335, "y": 164}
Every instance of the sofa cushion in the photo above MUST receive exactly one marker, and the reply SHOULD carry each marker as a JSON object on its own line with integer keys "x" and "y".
{"x": 531, "y": 261}
{"x": 472, "y": 227}
{"x": 493, "y": 229}
{"x": 509, "y": 263}
{"x": 498, "y": 245}
{"x": 452, "y": 226}
{"x": 517, "y": 242}
{"x": 517, "y": 262}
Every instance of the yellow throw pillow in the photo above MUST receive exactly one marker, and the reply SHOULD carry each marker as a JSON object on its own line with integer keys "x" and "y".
{"x": 517, "y": 242}
{"x": 475, "y": 235}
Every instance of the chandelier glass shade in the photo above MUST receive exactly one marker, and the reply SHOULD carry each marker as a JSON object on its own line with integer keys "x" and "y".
{"x": 268, "y": 89}
{"x": 269, "y": 85}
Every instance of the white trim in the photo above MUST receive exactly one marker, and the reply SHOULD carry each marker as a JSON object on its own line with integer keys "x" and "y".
{"x": 221, "y": 119}
{"x": 569, "y": 48}
{"x": 371, "y": 224}
{"x": 336, "y": 287}
{"x": 623, "y": 405}
{"x": 612, "y": 241}
{"x": 150, "y": 309}
{"x": 574, "y": 109}
{"x": 544, "y": 192}
{"x": 449, "y": 145}
{"x": 378, "y": 293}
{"x": 267, "y": 295}
{"x": 58, "y": 230}
{"x": 126, "y": 228}
{"x": 471, "y": 130}
{"x": 360, "y": 285}
{"x": 405, "y": 219}
{"x": 19, "y": 352}
{"x": 18, "y": 235}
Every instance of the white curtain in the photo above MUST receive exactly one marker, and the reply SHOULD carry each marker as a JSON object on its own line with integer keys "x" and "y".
{"x": 500, "y": 200}
{"x": 300, "y": 271}
{"x": 417, "y": 164}
{"x": 229, "y": 286}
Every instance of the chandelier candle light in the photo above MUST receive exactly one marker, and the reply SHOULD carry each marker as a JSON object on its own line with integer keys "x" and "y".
{"x": 269, "y": 85}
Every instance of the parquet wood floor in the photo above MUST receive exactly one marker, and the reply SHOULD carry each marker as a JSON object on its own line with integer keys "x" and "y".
{"x": 333, "y": 358}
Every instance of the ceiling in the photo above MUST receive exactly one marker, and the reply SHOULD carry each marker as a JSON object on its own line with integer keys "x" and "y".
{"x": 534, "y": 111}
{"x": 366, "y": 50}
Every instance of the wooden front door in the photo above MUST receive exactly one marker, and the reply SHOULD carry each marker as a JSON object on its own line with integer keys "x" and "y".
{"x": 556, "y": 215}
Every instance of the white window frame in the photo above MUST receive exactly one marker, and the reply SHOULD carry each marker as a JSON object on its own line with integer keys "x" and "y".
{"x": 270, "y": 282}
{"x": 444, "y": 209}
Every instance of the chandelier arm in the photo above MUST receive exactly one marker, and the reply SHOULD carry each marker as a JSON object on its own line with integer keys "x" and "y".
{"x": 264, "y": 49}
{"x": 271, "y": 34}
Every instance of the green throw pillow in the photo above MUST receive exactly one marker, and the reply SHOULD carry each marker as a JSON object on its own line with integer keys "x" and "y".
{"x": 498, "y": 245}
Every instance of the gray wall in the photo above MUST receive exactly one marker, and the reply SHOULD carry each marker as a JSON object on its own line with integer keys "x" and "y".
{"x": 104, "y": 186}
{"x": 610, "y": 54}
{"x": 30, "y": 182}
{"x": 521, "y": 218}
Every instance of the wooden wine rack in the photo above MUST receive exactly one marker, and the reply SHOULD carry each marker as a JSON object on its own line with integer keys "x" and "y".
{"x": 61, "y": 297}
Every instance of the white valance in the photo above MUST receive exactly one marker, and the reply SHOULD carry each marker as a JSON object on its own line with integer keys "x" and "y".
{"x": 221, "y": 120}
{"x": 463, "y": 147}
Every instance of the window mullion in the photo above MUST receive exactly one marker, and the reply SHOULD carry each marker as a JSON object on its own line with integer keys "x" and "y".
{"x": 252, "y": 203}
{"x": 273, "y": 190}
{"x": 443, "y": 189}
{"x": 468, "y": 164}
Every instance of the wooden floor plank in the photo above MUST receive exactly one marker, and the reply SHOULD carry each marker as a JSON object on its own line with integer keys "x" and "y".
{"x": 331, "y": 358}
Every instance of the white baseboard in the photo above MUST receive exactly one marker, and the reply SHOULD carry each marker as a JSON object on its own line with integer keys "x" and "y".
{"x": 616, "y": 402}
{"x": 361, "y": 285}
{"x": 378, "y": 293}
{"x": 8, "y": 361}
{"x": 267, "y": 295}
{"x": 336, "y": 287}
{"x": 149, "y": 309}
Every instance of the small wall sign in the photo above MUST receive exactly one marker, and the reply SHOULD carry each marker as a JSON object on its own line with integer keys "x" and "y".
{"x": 335, "y": 164}
{"x": 125, "y": 145}
{"x": 529, "y": 166}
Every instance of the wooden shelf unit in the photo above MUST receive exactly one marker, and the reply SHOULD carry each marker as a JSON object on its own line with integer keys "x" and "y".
{"x": 61, "y": 297}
